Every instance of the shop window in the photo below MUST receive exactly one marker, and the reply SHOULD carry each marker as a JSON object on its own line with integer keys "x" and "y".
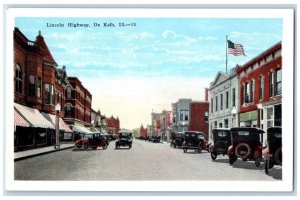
{"x": 31, "y": 87}
{"x": 19, "y": 80}
{"x": 277, "y": 116}
{"x": 226, "y": 123}
{"x": 270, "y": 117}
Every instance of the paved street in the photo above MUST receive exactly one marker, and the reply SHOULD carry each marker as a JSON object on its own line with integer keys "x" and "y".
{"x": 145, "y": 161}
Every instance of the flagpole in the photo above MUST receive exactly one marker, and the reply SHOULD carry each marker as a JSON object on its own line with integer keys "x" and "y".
{"x": 226, "y": 51}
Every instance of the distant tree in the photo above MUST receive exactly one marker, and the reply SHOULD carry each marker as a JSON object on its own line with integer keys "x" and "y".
{"x": 136, "y": 132}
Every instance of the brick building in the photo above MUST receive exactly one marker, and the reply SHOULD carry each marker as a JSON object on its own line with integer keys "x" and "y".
{"x": 112, "y": 125}
{"x": 38, "y": 86}
{"x": 199, "y": 117}
{"x": 260, "y": 89}
{"x": 143, "y": 131}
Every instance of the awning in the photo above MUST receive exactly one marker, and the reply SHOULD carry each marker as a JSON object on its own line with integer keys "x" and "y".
{"x": 62, "y": 124}
{"x": 80, "y": 129}
{"x": 19, "y": 120}
{"x": 34, "y": 117}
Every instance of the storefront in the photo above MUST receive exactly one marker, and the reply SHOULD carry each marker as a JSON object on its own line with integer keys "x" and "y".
{"x": 249, "y": 119}
{"x": 34, "y": 131}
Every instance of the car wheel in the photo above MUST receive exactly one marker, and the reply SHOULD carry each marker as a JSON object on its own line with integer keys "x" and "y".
{"x": 129, "y": 146}
{"x": 85, "y": 146}
{"x": 213, "y": 156}
{"x": 104, "y": 146}
{"x": 278, "y": 156}
{"x": 267, "y": 166}
{"x": 242, "y": 150}
{"x": 200, "y": 148}
{"x": 257, "y": 162}
{"x": 184, "y": 150}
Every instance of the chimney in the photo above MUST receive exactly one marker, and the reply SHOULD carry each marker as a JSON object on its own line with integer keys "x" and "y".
{"x": 206, "y": 94}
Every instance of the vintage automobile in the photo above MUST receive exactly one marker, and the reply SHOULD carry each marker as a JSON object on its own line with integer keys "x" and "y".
{"x": 246, "y": 143}
{"x": 273, "y": 153}
{"x": 124, "y": 139}
{"x": 194, "y": 140}
{"x": 222, "y": 140}
{"x": 91, "y": 140}
{"x": 177, "y": 139}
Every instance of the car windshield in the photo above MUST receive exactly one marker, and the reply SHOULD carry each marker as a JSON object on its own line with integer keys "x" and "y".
{"x": 89, "y": 136}
{"x": 222, "y": 134}
{"x": 124, "y": 134}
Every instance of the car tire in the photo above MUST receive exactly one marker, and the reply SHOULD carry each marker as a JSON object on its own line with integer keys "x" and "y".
{"x": 184, "y": 150}
{"x": 213, "y": 156}
{"x": 246, "y": 147}
{"x": 232, "y": 159}
{"x": 267, "y": 166}
{"x": 85, "y": 146}
{"x": 257, "y": 162}
{"x": 278, "y": 156}
{"x": 200, "y": 147}
{"x": 104, "y": 146}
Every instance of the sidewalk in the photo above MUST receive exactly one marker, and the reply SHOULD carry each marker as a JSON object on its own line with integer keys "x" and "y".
{"x": 40, "y": 151}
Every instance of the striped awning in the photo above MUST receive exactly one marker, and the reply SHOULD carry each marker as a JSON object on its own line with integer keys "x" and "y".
{"x": 62, "y": 124}
{"x": 19, "y": 120}
{"x": 33, "y": 116}
{"x": 80, "y": 129}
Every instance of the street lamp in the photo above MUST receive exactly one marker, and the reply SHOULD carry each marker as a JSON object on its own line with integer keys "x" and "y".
{"x": 57, "y": 109}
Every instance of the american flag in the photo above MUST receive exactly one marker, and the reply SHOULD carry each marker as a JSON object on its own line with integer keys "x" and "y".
{"x": 235, "y": 49}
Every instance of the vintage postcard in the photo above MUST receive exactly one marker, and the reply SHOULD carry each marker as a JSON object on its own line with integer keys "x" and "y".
{"x": 141, "y": 99}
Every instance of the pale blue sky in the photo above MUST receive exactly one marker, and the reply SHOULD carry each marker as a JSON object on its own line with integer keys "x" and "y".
{"x": 149, "y": 57}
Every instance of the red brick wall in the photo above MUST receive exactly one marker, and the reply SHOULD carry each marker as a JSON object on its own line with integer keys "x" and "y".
{"x": 197, "y": 117}
{"x": 143, "y": 132}
{"x": 255, "y": 75}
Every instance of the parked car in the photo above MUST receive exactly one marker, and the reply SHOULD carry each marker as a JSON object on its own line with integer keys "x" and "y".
{"x": 222, "y": 140}
{"x": 177, "y": 139}
{"x": 273, "y": 152}
{"x": 194, "y": 140}
{"x": 124, "y": 139}
{"x": 246, "y": 143}
{"x": 91, "y": 140}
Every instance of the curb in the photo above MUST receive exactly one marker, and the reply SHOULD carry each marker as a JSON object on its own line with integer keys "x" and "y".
{"x": 42, "y": 153}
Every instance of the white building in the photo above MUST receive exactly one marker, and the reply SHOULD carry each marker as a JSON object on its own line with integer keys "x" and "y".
{"x": 181, "y": 115}
{"x": 224, "y": 101}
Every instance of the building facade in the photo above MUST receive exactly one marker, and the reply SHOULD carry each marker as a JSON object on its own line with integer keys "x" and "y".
{"x": 261, "y": 89}
{"x": 181, "y": 115}
{"x": 39, "y": 85}
{"x": 199, "y": 117}
{"x": 224, "y": 101}
{"x": 112, "y": 125}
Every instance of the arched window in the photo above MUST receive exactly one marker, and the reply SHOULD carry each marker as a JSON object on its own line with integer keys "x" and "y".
{"x": 69, "y": 92}
{"x": 19, "y": 81}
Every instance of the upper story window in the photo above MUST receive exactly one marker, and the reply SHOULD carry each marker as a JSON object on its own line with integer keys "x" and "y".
{"x": 249, "y": 92}
{"x": 31, "y": 88}
{"x": 69, "y": 92}
{"x": 19, "y": 80}
{"x": 49, "y": 94}
{"x": 39, "y": 85}
{"x": 211, "y": 105}
{"x": 216, "y": 103}
{"x": 233, "y": 97}
{"x": 278, "y": 82}
{"x": 261, "y": 88}
{"x": 227, "y": 99}
{"x": 221, "y": 101}
{"x": 271, "y": 79}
